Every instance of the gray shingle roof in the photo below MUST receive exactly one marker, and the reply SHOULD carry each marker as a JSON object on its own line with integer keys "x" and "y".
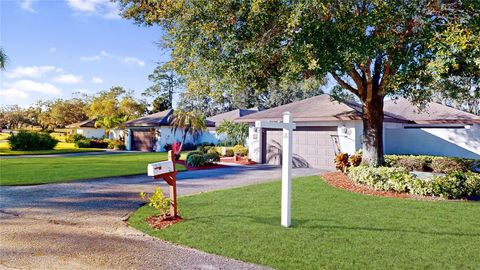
{"x": 231, "y": 115}
{"x": 156, "y": 120}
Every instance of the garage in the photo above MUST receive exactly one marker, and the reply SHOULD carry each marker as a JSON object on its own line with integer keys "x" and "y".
{"x": 312, "y": 147}
{"x": 142, "y": 140}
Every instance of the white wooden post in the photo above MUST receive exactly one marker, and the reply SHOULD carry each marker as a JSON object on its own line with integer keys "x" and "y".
{"x": 286, "y": 169}
{"x": 287, "y": 126}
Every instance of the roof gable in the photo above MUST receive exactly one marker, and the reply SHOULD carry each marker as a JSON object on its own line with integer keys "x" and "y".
{"x": 231, "y": 115}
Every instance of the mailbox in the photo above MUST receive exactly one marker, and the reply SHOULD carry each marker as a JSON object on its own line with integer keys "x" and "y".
{"x": 159, "y": 168}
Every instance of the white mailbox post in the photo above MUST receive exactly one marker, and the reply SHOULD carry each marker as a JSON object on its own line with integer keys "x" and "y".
{"x": 288, "y": 126}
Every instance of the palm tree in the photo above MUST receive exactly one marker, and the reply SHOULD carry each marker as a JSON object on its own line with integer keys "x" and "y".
{"x": 3, "y": 59}
{"x": 189, "y": 122}
{"x": 108, "y": 123}
{"x": 236, "y": 133}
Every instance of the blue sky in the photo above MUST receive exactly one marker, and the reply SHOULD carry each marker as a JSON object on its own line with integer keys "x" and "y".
{"x": 59, "y": 47}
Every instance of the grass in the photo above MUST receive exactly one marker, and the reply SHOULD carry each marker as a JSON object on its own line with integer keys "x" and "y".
{"x": 332, "y": 228}
{"x": 28, "y": 171}
{"x": 4, "y": 136}
{"x": 61, "y": 148}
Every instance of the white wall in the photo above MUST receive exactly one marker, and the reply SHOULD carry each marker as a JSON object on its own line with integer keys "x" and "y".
{"x": 116, "y": 134}
{"x": 254, "y": 143}
{"x": 91, "y": 132}
{"x": 455, "y": 142}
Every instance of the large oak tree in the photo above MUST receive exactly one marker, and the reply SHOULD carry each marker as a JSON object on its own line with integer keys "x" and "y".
{"x": 371, "y": 48}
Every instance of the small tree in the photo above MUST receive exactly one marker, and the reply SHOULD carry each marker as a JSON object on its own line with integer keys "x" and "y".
{"x": 189, "y": 122}
{"x": 237, "y": 133}
{"x": 3, "y": 59}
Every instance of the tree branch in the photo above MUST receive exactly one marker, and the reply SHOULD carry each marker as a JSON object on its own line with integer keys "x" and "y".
{"x": 345, "y": 85}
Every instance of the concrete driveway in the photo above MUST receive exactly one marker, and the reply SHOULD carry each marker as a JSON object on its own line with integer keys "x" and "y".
{"x": 80, "y": 225}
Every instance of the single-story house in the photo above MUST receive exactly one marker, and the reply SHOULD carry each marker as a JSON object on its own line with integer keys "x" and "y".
{"x": 152, "y": 132}
{"x": 326, "y": 127}
{"x": 87, "y": 128}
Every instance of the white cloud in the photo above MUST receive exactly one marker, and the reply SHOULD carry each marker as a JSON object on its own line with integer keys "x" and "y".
{"x": 53, "y": 49}
{"x": 97, "y": 80}
{"x": 30, "y": 72}
{"x": 68, "y": 78}
{"x": 125, "y": 59}
{"x": 12, "y": 95}
{"x": 103, "y": 8}
{"x": 26, "y": 86}
{"x": 27, "y": 5}
{"x": 90, "y": 58}
{"x": 134, "y": 61}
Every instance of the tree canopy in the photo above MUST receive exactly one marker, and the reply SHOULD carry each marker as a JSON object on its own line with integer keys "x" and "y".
{"x": 370, "y": 48}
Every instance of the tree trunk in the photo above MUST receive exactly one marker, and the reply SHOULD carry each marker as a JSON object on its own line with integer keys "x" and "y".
{"x": 373, "y": 131}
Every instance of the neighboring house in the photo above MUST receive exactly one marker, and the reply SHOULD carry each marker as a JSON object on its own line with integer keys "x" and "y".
{"x": 87, "y": 128}
{"x": 231, "y": 116}
{"x": 326, "y": 127}
{"x": 152, "y": 132}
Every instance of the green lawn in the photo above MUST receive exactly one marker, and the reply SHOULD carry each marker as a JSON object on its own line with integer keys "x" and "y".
{"x": 27, "y": 171}
{"x": 61, "y": 148}
{"x": 332, "y": 228}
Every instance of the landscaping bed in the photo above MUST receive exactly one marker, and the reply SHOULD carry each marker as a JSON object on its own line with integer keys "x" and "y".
{"x": 331, "y": 228}
{"x": 240, "y": 160}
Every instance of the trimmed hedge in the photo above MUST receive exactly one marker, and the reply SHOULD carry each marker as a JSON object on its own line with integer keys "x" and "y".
{"x": 74, "y": 138}
{"x": 31, "y": 141}
{"x": 240, "y": 150}
{"x": 430, "y": 163}
{"x": 454, "y": 185}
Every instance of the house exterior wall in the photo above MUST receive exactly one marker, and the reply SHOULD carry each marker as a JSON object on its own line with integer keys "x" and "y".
{"x": 455, "y": 142}
{"x": 91, "y": 132}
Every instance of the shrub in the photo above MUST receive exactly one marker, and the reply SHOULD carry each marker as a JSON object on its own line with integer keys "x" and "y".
{"x": 454, "y": 185}
{"x": 212, "y": 157}
{"x": 411, "y": 163}
{"x": 429, "y": 163}
{"x": 84, "y": 143}
{"x": 188, "y": 147}
{"x": 205, "y": 148}
{"x": 74, "y": 138}
{"x": 213, "y": 150}
{"x": 193, "y": 153}
{"x": 341, "y": 162}
{"x": 382, "y": 178}
{"x": 196, "y": 160}
{"x": 229, "y": 153}
{"x": 31, "y": 141}
{"x": 356, "y": 159}
{"x": 240, "y": 150}
{"x": 98, "y": 143}
{"x": 116, "y": 144}
{"x": 158, "y": 201}
{"x": 449, "y": 164}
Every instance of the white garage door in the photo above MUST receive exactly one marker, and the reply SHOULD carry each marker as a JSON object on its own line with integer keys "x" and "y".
{"x": 312, "y": 147}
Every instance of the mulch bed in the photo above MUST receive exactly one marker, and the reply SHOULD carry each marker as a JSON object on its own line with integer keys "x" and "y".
{"x": 340, "y": 180}
{"x": 242, "y": 161}
{"x": 207, "y": 167}
{"x": 158, "y": 222}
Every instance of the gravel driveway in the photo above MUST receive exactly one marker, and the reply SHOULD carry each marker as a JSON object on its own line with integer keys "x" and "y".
{"x": 80, "y": 225}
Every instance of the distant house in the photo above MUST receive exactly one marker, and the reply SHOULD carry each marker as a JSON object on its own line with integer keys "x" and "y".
{"x": 87, "y": 128}
{"x": 325, "y": 127}
{"x": 153, "y": 132}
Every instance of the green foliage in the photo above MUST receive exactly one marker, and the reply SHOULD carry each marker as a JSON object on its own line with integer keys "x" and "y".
{"x": 115, "y": 144}
{"x": 240, "y": 150}
{"x": 212, "y": 156}
{"x": 429, "y": 163}
{"x": 196, "y": 160}
{"x": 30, "y": 141}
{"x": 83, "y": 143}
{"x": 74, "y": 138}
{"x": 158, "y": 201}
{"x": 3, "y": 59}
{"x": 165, "y": 82}
{"x": 454, "y": 185}
{"x": 194, "y": 153}
{"x": 189, "y": 122}
{"x": 229, "y": 152}
{"x": 237, "y": 133}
